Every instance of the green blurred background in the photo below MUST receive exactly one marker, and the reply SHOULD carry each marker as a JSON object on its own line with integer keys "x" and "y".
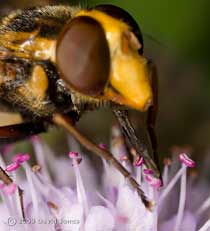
{"x": 177, "y": 36}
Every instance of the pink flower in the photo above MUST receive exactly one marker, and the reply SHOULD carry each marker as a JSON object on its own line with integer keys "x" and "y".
{"x": 68, "y": 196}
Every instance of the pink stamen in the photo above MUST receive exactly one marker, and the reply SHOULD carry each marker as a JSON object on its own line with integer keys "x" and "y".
{"x": 81, "y": 194}
{"x": 41, "y": 154}
{"x": 31, "y": 186}
{"x": 12, "y": 167}
{"x": 154, "y": 182}
{"x": 73, "y": 155}
{"x": 21, "y": 158}
{"x": 186, "y": 160}
{"x": 171, "y": 184}
{"x": 148, "y": 178}
{"x": 10, "y": 189}
{"x": 102, "y": 146}
{"x": 148, "y": 171}
{"x": 182, "y": 199}
{"x": 77, "y": 161}
{"x": 167, "y": 162}
{"x": 138, "y": 161}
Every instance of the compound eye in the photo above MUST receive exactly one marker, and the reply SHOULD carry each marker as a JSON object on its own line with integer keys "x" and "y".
{"x": 118, "y": 13}
{"x": 83, "y": 56}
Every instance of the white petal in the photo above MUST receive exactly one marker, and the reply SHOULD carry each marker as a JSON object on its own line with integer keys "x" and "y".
{"x": 99, "y": 218}
{"x": 111, "y": 177}
{"x": 72, "y": 217}
{"x": 130, "y": 205}
{"x": 4, "y": 218}
{"x": 127, "y": 201}
{"x": 44, "y": 220}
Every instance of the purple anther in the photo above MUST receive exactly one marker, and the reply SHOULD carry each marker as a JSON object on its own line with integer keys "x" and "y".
{"x": 102, "y": 146}
{"x": 148, "y": 171}
{"x": 154, "y": 182}
{"x": 186, "y": 160}
{"x": 20, "y": 158}
{"x": 138, "y": 161}
{"x": 12, "y": 167}
{"x": 73, "y": 155}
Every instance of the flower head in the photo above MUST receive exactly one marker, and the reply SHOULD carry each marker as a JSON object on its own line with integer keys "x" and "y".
{"x": 70, "y": 198}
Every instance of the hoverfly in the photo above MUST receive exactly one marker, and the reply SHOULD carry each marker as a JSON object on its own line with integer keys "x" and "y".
{"x": 57, "y": 62}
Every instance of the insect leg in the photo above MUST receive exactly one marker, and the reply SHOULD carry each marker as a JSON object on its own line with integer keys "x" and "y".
{"x": 21, "y": 130}
{"x": 66, "y": 123}
{"x": 152, "y": 114}
{"x": 7, "y": 181}
{"x": 134, "y": 142}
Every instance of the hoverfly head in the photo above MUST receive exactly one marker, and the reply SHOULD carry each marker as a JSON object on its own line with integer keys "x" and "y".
{"x": 100, "y": 54}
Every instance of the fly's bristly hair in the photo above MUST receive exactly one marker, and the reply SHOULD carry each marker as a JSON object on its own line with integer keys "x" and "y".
{"x": 27, "y": 20}
{"x": 83, "y": 4}
{"x": 14, "y": 88}
{"x": 27, "y": 40}
{"x": 23, "y": 31}
{"x": 83, "y": 103}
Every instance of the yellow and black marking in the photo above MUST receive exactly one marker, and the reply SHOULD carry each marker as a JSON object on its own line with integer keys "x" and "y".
{"x": 28, "y": 76}
{"x": 31, "y": 36}
{"x": 27, "y": 47}
{"x": 25, "y": 86}
{"x": 32, "y": 33}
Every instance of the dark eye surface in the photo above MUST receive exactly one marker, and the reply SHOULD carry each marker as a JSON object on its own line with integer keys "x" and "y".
{"x": 83, "y": 56}
{"x": 117, "y": 12}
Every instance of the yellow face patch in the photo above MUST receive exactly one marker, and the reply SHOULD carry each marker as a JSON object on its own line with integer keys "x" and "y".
{"x": 129, "y": 75}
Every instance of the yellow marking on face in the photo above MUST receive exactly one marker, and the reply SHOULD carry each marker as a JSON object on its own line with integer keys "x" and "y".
{"x": 129, "y": 74}
{"x": 130, "y": 77}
